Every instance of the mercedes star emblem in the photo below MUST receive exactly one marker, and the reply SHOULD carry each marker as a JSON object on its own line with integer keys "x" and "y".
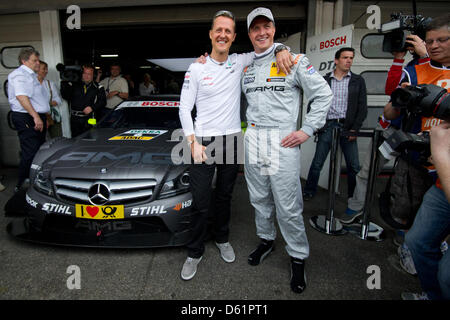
{"x": 99, "y": 194}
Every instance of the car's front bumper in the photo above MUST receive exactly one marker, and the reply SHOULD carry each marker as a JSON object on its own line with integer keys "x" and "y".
{"x": 168, "y": 224}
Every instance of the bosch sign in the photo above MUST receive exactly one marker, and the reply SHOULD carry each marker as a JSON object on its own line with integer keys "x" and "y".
{"x": 163, "y": 104}
{"x": 338, "y": 41}
{"x": 160, "y": 104}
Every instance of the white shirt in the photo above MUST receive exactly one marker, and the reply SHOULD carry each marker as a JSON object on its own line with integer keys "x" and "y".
{"x": 146, "y": 91}
{"x": 215, "y": 89}
{"x": 117, "y": 84}
{"x": 55, "y": 92}
{"x": 23, "y": 82}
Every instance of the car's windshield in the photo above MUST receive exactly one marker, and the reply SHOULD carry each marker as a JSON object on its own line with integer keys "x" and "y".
{"x": 142, "y": 117}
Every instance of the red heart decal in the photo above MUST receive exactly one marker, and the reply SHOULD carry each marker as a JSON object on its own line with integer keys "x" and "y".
{"x": 92, "y": 211}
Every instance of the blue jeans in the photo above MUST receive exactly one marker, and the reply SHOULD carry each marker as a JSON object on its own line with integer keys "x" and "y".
{"x": 350, "y": 151}
{"x": 430, "y": 227}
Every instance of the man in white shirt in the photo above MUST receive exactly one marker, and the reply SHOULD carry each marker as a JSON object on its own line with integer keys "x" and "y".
{"x": 29, "y": 105}
{"x": 116, "y": 88}
{"x": 214, "y": 88}
{"x": 54, "y": 117}
{"x": 146, "y": 88}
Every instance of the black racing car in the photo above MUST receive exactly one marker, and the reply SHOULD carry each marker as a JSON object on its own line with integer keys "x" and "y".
{"x": 113, "y": 186}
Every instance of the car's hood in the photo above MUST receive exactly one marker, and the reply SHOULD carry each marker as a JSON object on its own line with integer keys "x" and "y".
{"x": 114, "y": 154}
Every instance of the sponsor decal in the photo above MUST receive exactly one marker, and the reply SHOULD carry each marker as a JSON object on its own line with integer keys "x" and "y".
{"x": 104, "y": 226}
{"x": 275, "y": 79}
{"x": 31, "y": 202}
{"x": 273, "y": 71}
{"x": 265, "y": 88}
{"x": 160, "y": 104}
{"x": 230, "y": 66}
{"x": 330, "y": 43}
{"x": 249, "y": 80}
{"x": 207, "y": 81}
{"x": 99, "y": 212}
{"x": 152, "y": 210}
{"x": 56, "y": 208}
{"x": 182, "y": 205}
{"x": 310, "y": 69}
{"x": 138, "y": 135}
{"x": 429, "y": 122}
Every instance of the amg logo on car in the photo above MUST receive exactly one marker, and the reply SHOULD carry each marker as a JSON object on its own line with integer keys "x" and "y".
{"x": 109, "y": 226}
{"x": 95, "y": 157}
{"x": 265, "y": 88}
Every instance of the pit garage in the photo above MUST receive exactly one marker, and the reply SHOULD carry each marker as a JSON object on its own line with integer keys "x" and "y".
{"x": 132, "y": 33}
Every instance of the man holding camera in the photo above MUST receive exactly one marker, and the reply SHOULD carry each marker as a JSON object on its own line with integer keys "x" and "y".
{"x": 86, "y": 98}
{"x": 432, "y": 222}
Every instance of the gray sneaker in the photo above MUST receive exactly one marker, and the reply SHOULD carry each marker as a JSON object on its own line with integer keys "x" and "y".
{"x": 406, "y": 260}
{"x": 190, "y": 268}
{"x": 414, "y": 296}
{"x": 226, "y": 251}
{"x": 350, "y": 216}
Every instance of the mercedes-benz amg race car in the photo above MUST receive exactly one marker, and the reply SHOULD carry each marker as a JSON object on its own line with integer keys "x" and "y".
{"x": 113, "y": 186}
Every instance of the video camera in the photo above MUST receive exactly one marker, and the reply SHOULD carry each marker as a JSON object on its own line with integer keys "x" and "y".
{"x": 396, "y": 31}
{"x": 69, "y": 73}
{"x": 423, "y": 100}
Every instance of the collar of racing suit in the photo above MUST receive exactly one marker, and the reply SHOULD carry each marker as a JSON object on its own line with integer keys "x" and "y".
{"x": 268, "y": 52}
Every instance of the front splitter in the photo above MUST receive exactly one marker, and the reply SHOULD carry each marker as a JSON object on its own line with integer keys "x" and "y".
{"x": 20, "y": 229}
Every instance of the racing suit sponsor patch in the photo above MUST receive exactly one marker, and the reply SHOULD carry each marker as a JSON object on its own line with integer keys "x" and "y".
{"x": 273, "y": 71}
{"x": 249, "y": 80}
{"x": 310, "y": 69}
{"x": 275, "y": 79}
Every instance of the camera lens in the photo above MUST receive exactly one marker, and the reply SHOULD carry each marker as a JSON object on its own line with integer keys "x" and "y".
{"x": 442, "y": 110}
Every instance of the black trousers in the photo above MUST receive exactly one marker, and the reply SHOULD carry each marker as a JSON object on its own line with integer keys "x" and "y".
{"x": 30, "y": 141}
{"x": 217, "y": 214}
{"x": 78, "y": 125}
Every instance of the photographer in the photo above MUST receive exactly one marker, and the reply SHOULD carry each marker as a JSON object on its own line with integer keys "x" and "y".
{"x": 420, "y": 55}
{"x": 418, "y": 239}
{"x": 432, "y": 225}
{"x": 87, "y": 99}
{"x": 436, "y": 72}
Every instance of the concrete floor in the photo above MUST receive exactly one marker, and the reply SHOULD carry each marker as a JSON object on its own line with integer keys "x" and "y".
{"x": 336, "y": 269}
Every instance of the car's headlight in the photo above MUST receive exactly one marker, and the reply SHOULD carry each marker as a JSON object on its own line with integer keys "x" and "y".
{"x": 42, "y": 183}
{"x": 176, "y": 186}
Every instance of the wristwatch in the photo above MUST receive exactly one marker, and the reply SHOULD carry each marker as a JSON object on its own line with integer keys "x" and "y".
{"x": 281, "y": 47}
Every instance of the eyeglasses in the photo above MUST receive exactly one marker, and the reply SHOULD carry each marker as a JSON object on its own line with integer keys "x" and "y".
{"x": 224, "y": 13}
{"x": 429, "y": 42}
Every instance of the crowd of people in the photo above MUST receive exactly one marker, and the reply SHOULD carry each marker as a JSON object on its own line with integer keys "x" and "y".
{"x": 337, "y": 100}
{"x": 214, "y": 85}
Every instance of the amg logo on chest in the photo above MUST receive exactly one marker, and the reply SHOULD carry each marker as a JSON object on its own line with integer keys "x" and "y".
{"x": 265, "y": 88}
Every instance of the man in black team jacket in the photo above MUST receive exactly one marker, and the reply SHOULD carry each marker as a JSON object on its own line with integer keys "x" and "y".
{"x": 86, "y": 98}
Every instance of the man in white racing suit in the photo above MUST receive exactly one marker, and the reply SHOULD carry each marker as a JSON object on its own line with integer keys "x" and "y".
{"x": 272, "y": 154}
